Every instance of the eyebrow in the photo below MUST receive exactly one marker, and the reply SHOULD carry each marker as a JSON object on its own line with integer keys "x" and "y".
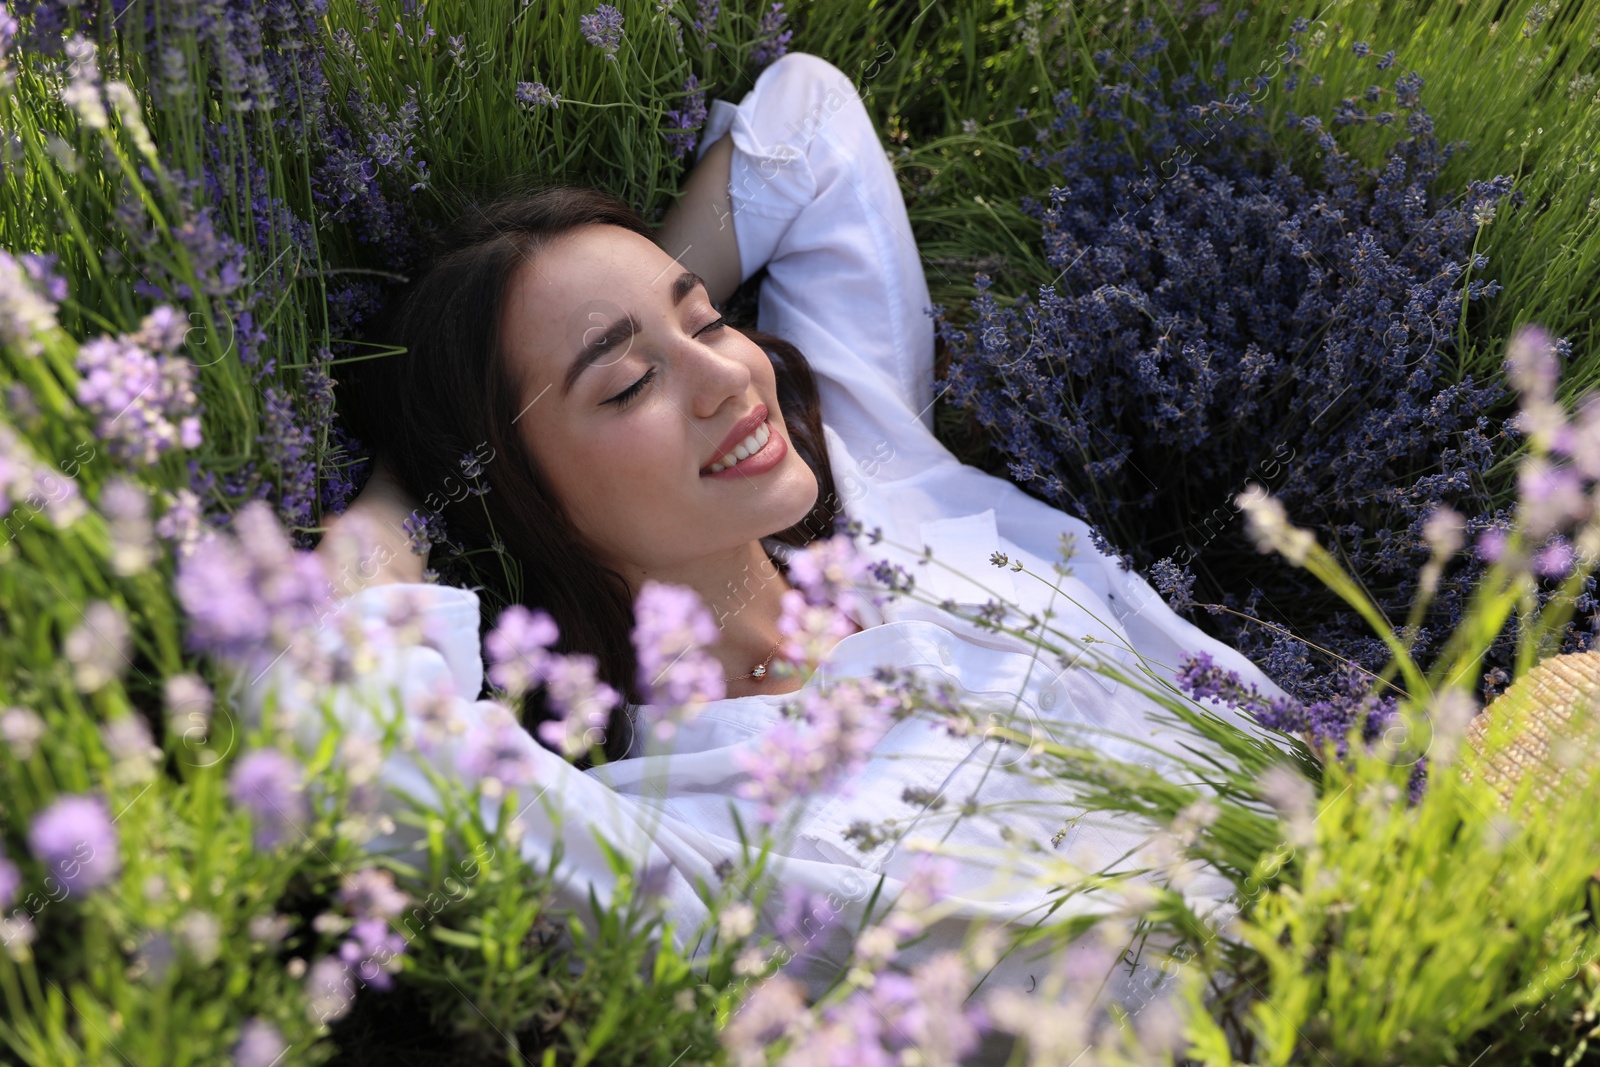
{"x": 590, "y": 354}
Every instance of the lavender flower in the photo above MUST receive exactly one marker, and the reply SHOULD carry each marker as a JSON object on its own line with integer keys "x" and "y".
{"x": 181, "y": 525}
{"x": 518, "y": 648}
{"x": 772, "y": 40}
{"x": 127, "y": 507}
{"x": 373, "y": 952}
{"x": 250, "y": 594}
{"x": 41, "y": 488}
{"x": 8, "y": 34}
{"x": 603, "y": 29}
{"x": 1270, "y": 527}
{"x": 537, "y": 95}
{"x": 582, "y": 704}
{"x": 97, "y": 648}
{"x": 671, "y": 631}
{"x": 682, "y": 124}
{"x": 706, "y": 21}
{"x": 809, "y": 630}
{"x": 268, "y": 784}
{"x": 330, "y": 990}
{"x": 496, "y": 750}
{"x": 371, "y": 893}
{"x": 143, "y": 397}
{"x": 21, "y": 729}
{"x": 834, "y": 732}
{"x": 26, "y": 312}
{"x": 259, "y": 1045}
{"x": 82, "y": 91}
{"x": 76, "y": 842}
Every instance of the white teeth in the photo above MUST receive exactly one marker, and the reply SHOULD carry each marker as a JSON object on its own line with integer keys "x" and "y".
{"x": 746, "y": 448}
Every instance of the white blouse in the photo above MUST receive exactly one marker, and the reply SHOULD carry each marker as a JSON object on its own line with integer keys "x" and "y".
{"x": 817, "y": 203}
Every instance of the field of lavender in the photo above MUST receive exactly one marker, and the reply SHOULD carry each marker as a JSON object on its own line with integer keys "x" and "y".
{"x": 1294, "y": 303}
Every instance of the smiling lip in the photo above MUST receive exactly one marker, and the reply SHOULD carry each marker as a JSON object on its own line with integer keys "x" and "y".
{"x": 741, "y": 429}
{"x": 760, "y": 461}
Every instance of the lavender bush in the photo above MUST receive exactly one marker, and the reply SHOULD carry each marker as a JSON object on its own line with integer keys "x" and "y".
{"x": 1216, "y": 318}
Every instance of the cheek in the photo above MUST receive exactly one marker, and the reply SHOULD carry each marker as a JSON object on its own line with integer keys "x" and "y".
{"x": 619, "y": 472}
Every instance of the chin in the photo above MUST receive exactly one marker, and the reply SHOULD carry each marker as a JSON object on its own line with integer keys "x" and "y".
{"x": 797, "y": 504}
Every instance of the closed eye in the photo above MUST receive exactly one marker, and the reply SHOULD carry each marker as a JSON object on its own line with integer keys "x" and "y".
{"x": 622, "y": 399}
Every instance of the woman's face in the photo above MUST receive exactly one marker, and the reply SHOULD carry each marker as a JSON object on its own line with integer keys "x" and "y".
{"x": 630, "y": 389}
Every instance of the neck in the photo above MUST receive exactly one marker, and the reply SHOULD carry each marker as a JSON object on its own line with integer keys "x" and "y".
{"x": 743, "y": 590}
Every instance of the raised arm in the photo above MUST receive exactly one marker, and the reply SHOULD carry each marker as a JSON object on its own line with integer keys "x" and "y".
{"x": 698, "y": 229}
{"x": 809, "y": 193}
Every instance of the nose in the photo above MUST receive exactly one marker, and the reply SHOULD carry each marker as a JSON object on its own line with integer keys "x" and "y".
{"x": 716, "y": 372}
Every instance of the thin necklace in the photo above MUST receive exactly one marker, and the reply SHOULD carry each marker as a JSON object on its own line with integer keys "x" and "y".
{"x": 759, "y": 671}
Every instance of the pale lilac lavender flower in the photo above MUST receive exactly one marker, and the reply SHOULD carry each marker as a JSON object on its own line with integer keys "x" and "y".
{"x": 498, "y": 750}
{"x": 43, "y": 489}
{"x": 26, "y": 311}
{"x": 371, "y": 893}
{"x": 181, "y": 524}
{"x": 1294, "y": 799}
{"x": 835, "y": 732}
{"x": 250, "y": 593}
{"x": 8, "y": 35}
{"x": 435, "y": 715}
{"x": 330, "y": 990}
{"x": 805, "y": 916}
{"x": 773, "y": 1008}
{"x": 188, "y": 702}
{"x": 21, "y": 729}
{"x": 1492, "y": 544}
{"x": 133, "y": 751}
{"x": 97, "y": 648}
{"x": 1443, "y": 530}
{"x": 373, "y": 951}
{"x": 603, "y": 29}
{"x": 581, "y": 702}
{"x": 1555, "y": 560}
{"x": 127, "y": 507}
{"x": 82, "y": 91}
{"x": 672, "y": 628}
{"x": 1270, "y": 528}
{"x": 259, "y": 1045}
{"x": 772, "y": 40}
{"x": 927, "y": 1011}
{"x": 518, "y": 648}
{"x": 268, "y": 784}
{"x": 682, "y": 124}
{"x": 831, "y": 571}
{"x": 76, "y": 842}
{"x": 809, "y": 630}
{"x": 1533, "y": 367}
{"x": 201, "y": 934}
{"x": 1550, "y": 497}
{"x": 144, "y": 403}
{"x": 536, "y": 95}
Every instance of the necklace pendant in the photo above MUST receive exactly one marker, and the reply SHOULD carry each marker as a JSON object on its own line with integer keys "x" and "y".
{"x": 759, "y": 672}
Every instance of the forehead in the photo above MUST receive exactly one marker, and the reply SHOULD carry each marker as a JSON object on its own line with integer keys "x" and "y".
{"x": 589, "y": 262}
{"x": 585, "y": 279}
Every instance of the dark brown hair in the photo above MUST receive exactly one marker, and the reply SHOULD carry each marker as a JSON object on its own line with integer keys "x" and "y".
{"x": 448, "y": 397}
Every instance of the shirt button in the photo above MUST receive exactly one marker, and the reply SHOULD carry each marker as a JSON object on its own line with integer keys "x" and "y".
{"x": 1047, "y": 699}
{"x": 944, "y": 655}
